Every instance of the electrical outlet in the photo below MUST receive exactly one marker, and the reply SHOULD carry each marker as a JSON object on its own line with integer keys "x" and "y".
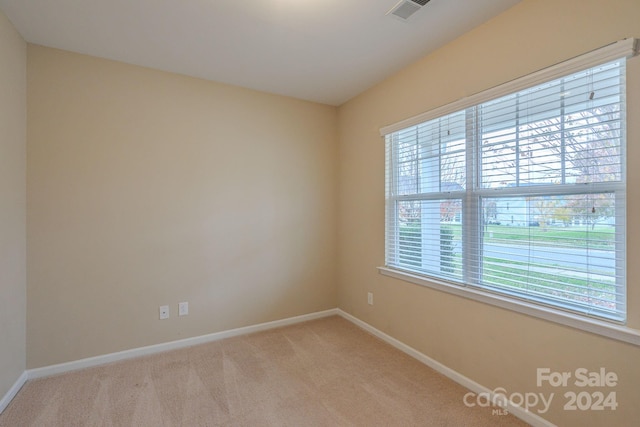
{"x": 183, "y": 308}
{"x": 164, "y": 312}
{"x": 370, "y": 298}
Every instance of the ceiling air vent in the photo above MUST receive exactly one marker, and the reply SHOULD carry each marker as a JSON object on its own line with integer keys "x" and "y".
{"x": 405, "y": 8}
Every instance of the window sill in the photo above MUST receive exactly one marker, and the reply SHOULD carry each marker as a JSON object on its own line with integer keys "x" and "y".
{"x": 616, "y": 332}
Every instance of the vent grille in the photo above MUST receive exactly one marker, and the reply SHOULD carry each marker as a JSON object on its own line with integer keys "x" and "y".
{"x": 405, "y": 8}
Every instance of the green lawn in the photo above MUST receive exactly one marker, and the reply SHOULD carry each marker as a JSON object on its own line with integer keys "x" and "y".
{"x": 601, "y": 237}
{"x": 514, "y": 275}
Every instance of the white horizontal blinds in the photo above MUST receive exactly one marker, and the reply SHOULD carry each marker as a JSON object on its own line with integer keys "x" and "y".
{"x": 425, "y": 187}
{"x": 425, "y": 244}
{"x": 621, "y": 49}
{"x": 566, "y": 131}
{"x": 560, "y": 250}
{"x": 555, "y": 152}
{"x": 430, "y": 157}
{"x": 391, "y": 223}
{"x": 521, "y": 194}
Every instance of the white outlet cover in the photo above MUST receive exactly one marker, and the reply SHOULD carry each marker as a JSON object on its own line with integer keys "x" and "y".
{"x": 164, "y": 312}
{"x": 183, "y": 308}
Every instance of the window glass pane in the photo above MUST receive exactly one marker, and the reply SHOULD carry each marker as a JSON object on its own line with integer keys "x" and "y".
{"x": 429, "y": 236}
{"x": 553, "y": 247}
{"x": 499, "y": 158}
{"x": 436, "y": 160}
{"x": 593, "y": 146}
{"x": 541, "y": 149}
{"x": 541, "y": 233}
{"x": 407, "y": 161}
{"x": 453, "y": 158}
{"x": 563, "y": 132}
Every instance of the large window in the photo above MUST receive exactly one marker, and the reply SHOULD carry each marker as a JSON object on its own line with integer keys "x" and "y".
{"x": 521, "y": 195}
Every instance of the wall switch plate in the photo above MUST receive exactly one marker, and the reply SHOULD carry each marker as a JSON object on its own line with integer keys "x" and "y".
{"x": 183, "y": 308}
{"x": 164, "y": 312}
{"x": 370, "y": 298}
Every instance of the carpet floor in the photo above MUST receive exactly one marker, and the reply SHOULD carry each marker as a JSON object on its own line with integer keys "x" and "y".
{"x": 326, "y": 372}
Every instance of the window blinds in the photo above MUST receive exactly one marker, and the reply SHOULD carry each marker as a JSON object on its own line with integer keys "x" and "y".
{"x": 521, "y": 194}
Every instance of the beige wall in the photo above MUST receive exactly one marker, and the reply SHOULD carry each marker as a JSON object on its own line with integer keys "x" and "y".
{"x": 495, "y": 347}
{"x": 148, "y": 188}
{"x": 13, "y": 118}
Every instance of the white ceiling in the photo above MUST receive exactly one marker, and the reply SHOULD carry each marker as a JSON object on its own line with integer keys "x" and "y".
{"x": 326, "y": 51}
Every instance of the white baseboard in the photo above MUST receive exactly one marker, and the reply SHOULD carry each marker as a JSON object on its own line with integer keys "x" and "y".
{"x": 172, "y": 345}
{"x": 15, "y": 388}
{"x": 517, "y": 411}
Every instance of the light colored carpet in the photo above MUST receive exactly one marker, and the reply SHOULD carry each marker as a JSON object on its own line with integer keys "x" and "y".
{"x": 326, "y": 372}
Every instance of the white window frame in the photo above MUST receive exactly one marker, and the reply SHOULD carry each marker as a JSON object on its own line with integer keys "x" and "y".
{"x": 622, "y": 49}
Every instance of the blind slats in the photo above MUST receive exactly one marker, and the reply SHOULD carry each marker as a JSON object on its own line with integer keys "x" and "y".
{"x": 539, "y": 215}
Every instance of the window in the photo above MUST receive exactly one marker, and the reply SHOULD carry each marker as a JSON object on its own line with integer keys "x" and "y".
{"x": 521, "y": 194}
